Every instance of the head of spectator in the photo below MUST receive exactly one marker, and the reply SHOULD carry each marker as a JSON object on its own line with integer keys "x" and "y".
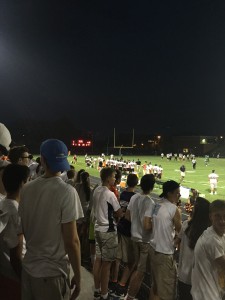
{"x": 217, "y": 216}
{"x": 107, "y": 176}
{"x": 78, "y": 179}
{"x": 171, "y": 191}
{"x": 132, "y": 180}
{"x": 54, "y": 155}
{"x": 19, "y": 155}
{"x": 118, "y": 176}
{"x": 13, "y": 178}
{"x": 195, "y": 193}
{"x": 147, "y": 183}
{"x": 5, "y": 139}
{"x": 85, "y": 181}
{"x": 199, "y": 222}
{"x": 71, "y": 174}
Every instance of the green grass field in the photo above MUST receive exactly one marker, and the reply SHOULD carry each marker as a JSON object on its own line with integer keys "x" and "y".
{"x": 197, "y": 179}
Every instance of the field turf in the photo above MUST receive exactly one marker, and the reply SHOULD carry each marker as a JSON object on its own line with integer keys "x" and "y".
{"x": 197, "y": 179}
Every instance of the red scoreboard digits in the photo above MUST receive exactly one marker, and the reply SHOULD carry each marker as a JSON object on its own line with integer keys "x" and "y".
{"x": 81, "y": 143}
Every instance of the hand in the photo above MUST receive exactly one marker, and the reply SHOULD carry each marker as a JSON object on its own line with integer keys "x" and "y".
{"x": 76, "y": 288}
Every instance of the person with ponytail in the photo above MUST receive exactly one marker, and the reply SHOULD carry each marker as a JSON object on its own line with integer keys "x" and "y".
{"x": 189, "y": 234}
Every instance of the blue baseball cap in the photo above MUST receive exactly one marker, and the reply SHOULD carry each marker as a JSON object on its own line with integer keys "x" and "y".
{"x": 55, "y": 153}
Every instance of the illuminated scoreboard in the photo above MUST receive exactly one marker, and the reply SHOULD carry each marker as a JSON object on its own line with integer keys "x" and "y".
{"x": 81, "y": 143}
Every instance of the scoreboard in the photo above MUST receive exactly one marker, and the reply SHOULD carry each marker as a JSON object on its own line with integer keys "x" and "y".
{"x": 81, "y": 143}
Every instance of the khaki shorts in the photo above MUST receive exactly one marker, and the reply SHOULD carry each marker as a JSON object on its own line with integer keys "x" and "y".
{"x": 125, "y": 249}
{"x": 141, "y": 253}
{"x": 106, "y": 244}
{"x": 164, "y": 274}
{"x": 45, "y": 288}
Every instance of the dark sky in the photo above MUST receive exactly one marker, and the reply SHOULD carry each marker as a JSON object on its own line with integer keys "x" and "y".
{"x": 156, "y": 66}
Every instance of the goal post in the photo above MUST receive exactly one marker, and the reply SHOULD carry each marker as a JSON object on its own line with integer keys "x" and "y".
{"x": 121, "y": 146}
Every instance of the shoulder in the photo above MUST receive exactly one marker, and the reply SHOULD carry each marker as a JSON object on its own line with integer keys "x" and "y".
{"x": 9, "y": 206}
{"x": 133, "y": 199}
{"x": 172, "y": 208}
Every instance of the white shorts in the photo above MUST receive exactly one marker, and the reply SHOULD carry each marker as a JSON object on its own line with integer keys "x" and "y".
{"x": 213, "y": 185}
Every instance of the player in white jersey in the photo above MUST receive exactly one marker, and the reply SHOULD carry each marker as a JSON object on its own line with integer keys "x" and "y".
{"x": 213, "y": 180}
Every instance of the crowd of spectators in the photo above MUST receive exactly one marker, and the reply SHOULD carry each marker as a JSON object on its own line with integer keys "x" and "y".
{"x": 51, "y": 219}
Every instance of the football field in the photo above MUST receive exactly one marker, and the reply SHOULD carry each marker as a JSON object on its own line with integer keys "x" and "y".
{"x": 197, "y": 179}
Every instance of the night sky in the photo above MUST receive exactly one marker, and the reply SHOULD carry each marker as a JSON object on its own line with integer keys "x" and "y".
{"x": 155, "y": 66}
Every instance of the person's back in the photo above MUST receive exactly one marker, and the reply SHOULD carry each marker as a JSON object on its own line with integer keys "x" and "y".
{"x": 14, "y": 177}
{"x": 166, "y": 220}
{"x": 9, "y": 220}
{"x": 204, "y": 271}
{"x": 83, "y": 197}
{"x": 124, "y": 226}
{"x": 71, "y": 177}
{"x": 105, "y": 206}
{"x": 208, "y": 273}
{"x": 190, "y": 232}
{"x": 103, "y": 209}
{"x": 41, "y": 207}
{"x": 139, "y": 212}
{"x": 125, "y": 198}
{"x": 138, "y": 206}
{"x": 163, "y": 229}
{"x": 48, "y": 211}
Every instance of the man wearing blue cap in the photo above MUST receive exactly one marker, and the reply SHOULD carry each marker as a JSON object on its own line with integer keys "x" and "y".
{"x": 48, "y": 211}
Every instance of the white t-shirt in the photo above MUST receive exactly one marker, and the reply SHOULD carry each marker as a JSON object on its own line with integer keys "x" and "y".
{"x": 3, "y": 163}
{"x": 64, "y": 176}
{"x": 2, "y": 197}
{"x": 9, "y": 224}
{"x": 208, "y": 282}
{"x": 104, "y": 205}
{"x": 140, "y": 206}
{"x": 46, "y": 204}
{"x": 185, "y": 256}
{"x": 163, "y": 227}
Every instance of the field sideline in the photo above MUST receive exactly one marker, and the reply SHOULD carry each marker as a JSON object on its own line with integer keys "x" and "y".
{"x": 197, "y": 179}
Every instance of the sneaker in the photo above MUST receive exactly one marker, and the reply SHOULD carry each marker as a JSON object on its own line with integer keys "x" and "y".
{"x": 215, "y": 193}
{"x": 97, "y": 295}
{"x": 108, "y": 298}
{"x": 127, "y": 298}
{"x": 211, "y": 193}
{"x": 120, "y": 291}
{"x": 112, "y": 287}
